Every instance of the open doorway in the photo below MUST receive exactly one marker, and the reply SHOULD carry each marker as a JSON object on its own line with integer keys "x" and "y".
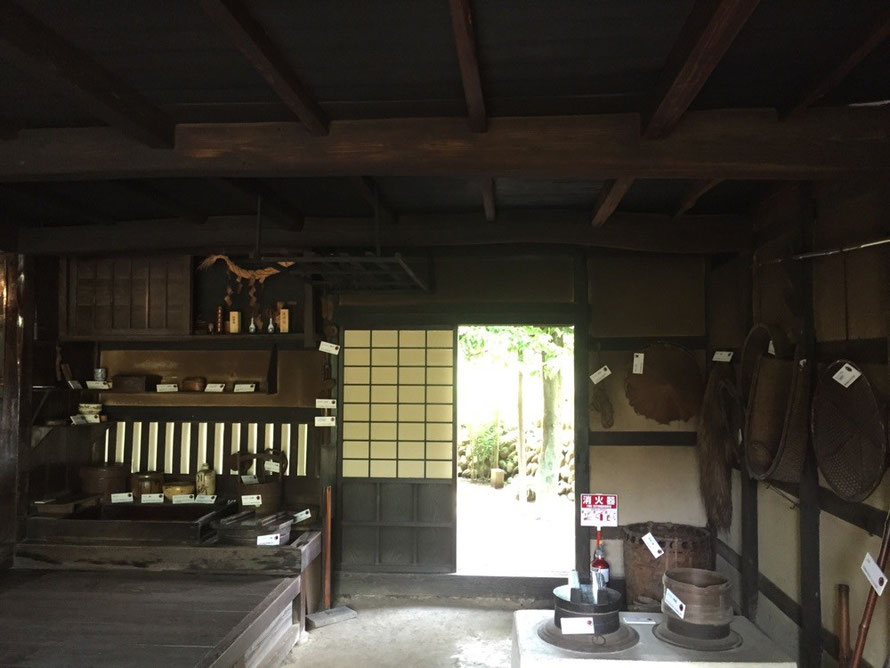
{"x": 516, "y": 454}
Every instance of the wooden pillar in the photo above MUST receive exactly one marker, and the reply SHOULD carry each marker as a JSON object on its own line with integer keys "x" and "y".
{"x": 750, "y": 566}
{"x": 810, "y": 578}
{"x": 582, "y": 408}
{"x": 15, "y": 406}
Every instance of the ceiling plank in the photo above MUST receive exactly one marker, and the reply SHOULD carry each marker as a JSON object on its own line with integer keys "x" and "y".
{"x": 370, "y": 192}
{"x": 696, "y": 190}
{"x": 251, "y": 39}
{"x": 488, "y": 201}
{"x": 465, "y": 42}
{"x": 48, "y": 206}
{"x": 32, "y": 47}
{"x": 646, "y": 233}
{"x": 871, "y": 35}
{"x": 728, "y": 144}
{"x": 710, "y": 29}
{"x": 172, "y": 205}
{"x": 274, "y": 206}
{"x": 610, "y": 197}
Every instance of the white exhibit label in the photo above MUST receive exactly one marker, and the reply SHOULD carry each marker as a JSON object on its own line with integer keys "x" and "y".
{"x": 600, "y": 374}
{"x": 653, "y": 545}
{"x": 639, "y": 359}
{"x": 249, "y": 480}
{"x": 325, "y": 421}
{"x": 771, "y": 349}
{"x": 325, "y": 403}
{"x": 599, "y": 510}
{"x": 302, "y": 516}
{"x": 75, "y": 385}
{"x": 577, "y": 625}
{"x": 329, "y": 348}
{"x": 152, "y": 498}
{"x": 631, "y": 618}
{"x": 123, "y": 497}
{"x": 183, "y": 498}
{"x": 245, "y": 387}
{"x": 215, "y": 387}
{"x": 168, "y": 387}
{"x": 674, "y": 603}
{"x": 722, "y": 356}
{"x": 205, "y": 498}
{"x": 271, "y": 467}
{"x": 251, "y": 499}
{"x": 98, "y": 385}
{"x": 847, "y": 375}
{"x": 269, "y": 539}
{"x": 873, "y": 574}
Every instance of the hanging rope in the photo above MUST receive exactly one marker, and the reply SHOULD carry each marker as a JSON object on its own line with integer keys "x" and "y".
{"x": 251, "y": 275}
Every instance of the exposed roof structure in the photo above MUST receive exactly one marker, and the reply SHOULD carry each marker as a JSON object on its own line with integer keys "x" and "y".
{"x": 187, "y": 111}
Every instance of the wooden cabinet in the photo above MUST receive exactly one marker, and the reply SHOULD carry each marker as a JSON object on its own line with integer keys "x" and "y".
{"x": 126, "y": 297}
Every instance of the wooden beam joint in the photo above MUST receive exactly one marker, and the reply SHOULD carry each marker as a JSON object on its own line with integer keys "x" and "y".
{"x": 609, "y": 199}
{"x": 465, "y": 42}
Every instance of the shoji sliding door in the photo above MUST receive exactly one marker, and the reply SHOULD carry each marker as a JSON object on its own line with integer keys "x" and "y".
{"x": 397, "y": 470}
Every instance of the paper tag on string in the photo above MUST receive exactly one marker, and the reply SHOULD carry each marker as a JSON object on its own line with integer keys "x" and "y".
{"x": 577, "y": 625}
{"x": 674, "y": 603}
{"x": 638, "y": 363}
{"x": 269, "y": 539}
{"x": 847, "y": 375}
{"x": 873, "y": 574}
{"x": 771, "y": 349}
{"x": 653, "y": 545}
{"x": 600, "y": 374}
{"x": 722, "y": 356}
{"x": 329, "y": 348}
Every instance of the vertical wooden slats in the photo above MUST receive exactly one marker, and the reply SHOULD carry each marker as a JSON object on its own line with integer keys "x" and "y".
{"x": 219, "y": 445}
{"x": 120, "y": 433}
{"x": 302, "y": 449}
{"x": 153, "y": 463}
{"x": 136, "y": 445}
{"x": 169, "y": 446}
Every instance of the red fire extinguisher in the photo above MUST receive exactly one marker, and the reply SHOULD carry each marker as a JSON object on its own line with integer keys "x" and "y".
{"x": 599, "y": 564}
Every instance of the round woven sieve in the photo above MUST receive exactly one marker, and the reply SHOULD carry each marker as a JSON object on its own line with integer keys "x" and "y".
{"x": 848, "y": 434}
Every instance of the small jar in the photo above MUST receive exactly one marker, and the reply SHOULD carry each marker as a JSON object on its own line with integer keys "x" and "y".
{"x": 205, "y": 480}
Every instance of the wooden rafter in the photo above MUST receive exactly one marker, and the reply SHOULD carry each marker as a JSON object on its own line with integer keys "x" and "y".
{"x": 49, "y": 204}
{"x": 251, "y": 39}
{"x": 610, "y": 197}
{"x": 370, "y": 192}
{"x": 175, "y": 206}
{"x": 647, "y": 233}
{"x": 870, "y": 36}
{"x": 33, "y": 48}
{"x": 465, "y": 42}
{"x": 736, "y": 144}
{"x": 695, "y": 191}
{"x": 709, "y": 31}
{"x": 488, "y": 201}
{"x": 274, "y": 206}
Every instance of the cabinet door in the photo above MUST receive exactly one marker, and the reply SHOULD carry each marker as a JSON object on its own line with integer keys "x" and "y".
{"x": 128, "y": 296}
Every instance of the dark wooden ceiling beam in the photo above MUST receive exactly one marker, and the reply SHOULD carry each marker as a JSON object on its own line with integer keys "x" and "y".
{"x": 32, "y": 47}
{"x": 175, "y": 206}
{"x": 695, "y": 191}
{"x": 370, "y": 192}
{"x": 609, "y": 198}
{"x": 467, "y": 58}
{"x": 49, "y": 206}
{"x": 709, "y": 31}
{"x": 272, "y": 206}
{"x": 870, "y": 36}
{"x": 488, "y": 201}
{"x": 647, "y": 233}
{"x": 732, "y": 144}
{"x": 251, "y": 39}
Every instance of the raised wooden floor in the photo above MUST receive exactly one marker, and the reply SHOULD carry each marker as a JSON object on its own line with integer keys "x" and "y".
{"x": 128, "y": 618}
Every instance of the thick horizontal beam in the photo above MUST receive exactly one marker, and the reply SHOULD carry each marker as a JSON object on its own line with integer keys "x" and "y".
{"x": 249, "y": 37}
{"x": 708, "y": 33}
{"x": 648, "y": 233}
{"x": 739, "y": 144}
{"x": 30, "y": 46}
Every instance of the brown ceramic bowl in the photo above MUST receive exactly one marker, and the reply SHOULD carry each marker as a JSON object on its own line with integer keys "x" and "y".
{"x": 151, "y": 482}
{"x": 172, "y": 489}
{"x": 194, "y": 384}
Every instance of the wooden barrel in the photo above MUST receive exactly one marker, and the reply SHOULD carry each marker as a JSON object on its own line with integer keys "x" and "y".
{"x": 684, "y": 546}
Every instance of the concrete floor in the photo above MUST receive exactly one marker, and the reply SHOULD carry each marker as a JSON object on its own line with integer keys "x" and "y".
{"x": 408, "y": 632}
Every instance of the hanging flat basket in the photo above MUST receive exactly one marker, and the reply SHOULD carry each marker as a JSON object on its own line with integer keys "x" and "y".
{"x": 762, "y": 340}
{"x": 849, "y": 436}
{"x": 670, "y": 386}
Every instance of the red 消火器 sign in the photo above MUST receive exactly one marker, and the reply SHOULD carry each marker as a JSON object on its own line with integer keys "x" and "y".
{"x": 599, "y": 510}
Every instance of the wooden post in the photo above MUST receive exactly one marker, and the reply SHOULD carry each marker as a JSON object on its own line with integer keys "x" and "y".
{"x": 15, "y": 406}
{"x": 582, "y": 408}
